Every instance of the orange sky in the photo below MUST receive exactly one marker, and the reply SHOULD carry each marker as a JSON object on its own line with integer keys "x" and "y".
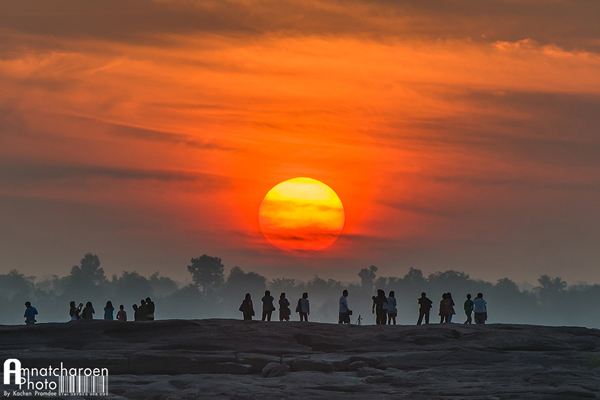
{"x": 457, "y": 134}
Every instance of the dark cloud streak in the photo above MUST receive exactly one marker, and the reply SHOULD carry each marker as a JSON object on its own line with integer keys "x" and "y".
{"x": 572, "y": 25}
{"x": 14, "y": 174}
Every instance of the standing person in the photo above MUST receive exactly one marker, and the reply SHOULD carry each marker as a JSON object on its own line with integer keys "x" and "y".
{"x": 284, "y": 308}
{"x": 468, "y": 308}
{"x": 151, "y": 308}
{"x": 268, "y": 306}
{"x": 392, "y": 311}
{"x": 88, "y": 312}
{"x": 122, "y": 315}
{"x": 380, "y": 307}
{"x": 424, "y": 308}
{"x": 30, "y": 313}
{"x": 74, "y": 311}
{"x": 143, "y": 311}
{"x": 344, "y": 310}
{"x": 480, "y": 309}
{"x": 451, "y": 305}
{"x": 444, "y": 308}
{"x": 247, "y": 308}
{"x": 304, "y": 307}
{"x": 136, "y": 315}
{"x": 108, "y": 311}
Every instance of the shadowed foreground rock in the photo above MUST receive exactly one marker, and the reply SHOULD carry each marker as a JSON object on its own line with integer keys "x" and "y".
{"x": 256, "y": 360}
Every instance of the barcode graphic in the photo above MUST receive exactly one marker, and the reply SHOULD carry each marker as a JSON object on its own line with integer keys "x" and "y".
{"x": 83, "y": 385}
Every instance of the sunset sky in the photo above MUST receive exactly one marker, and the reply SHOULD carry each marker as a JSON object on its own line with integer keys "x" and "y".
{"x": 457, "y": 134}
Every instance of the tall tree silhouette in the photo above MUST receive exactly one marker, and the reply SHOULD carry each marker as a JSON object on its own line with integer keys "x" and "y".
{"x": 207, "y": 272}
{"x": 367, "y": 277}
{"x": 550, "y": 285}
{"x": 89, "y": 270}
{"x": 414, "y": 277}
{"x": 86, "y": 279}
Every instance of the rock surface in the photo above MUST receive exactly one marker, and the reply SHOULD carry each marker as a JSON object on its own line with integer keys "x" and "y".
{"x": 228, "y": 359}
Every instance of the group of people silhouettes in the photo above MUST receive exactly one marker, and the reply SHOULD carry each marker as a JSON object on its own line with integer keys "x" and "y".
{"x": 446, "y": 311}
{"x": 384, "y": 307}
{"x": 268, "y": 306}
{"x": 143, "y": 312}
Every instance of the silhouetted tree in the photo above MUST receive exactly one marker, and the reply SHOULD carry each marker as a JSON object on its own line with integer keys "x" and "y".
{"x": 552, "y": 296}
{"x": 131, "y": 287}
{"x": 15, "y": 284}
{"x": 207, "y": 272}
{"x": 550, "y": 285}
{"x": 414, "y": 277}
{"x": 449, "y": 276}
{"x": 367, "y": 277}
{"x": 162, "y": 286}
{"x": 187, "y": 302}
{"x": 240, "y": 283}
{"x": 86, "y": 281}
{"x": 286, "y": 285}
{"x": 54, "y": 284}
{"x": 89, "y": 270}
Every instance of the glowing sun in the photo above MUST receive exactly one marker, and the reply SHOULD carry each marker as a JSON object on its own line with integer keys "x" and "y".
{"x": 301, "y": 214}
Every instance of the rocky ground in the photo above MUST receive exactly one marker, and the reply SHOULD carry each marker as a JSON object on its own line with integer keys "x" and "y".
{"x": 229, "y": 359}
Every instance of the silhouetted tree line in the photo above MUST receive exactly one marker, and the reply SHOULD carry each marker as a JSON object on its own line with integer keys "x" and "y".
{"x": 217, "y": 295}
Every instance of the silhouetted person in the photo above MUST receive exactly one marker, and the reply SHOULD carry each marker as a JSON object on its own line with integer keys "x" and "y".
{"x": 88, "y": 312}
{"x": 136, "y": 314}
{"x": 451, "y": 305}
{"x": 122, "y": 315}
{"x": 151, "y": 309}
{"x": 446, "y": 308}
{"x": 424, "y": 308}
{"x": 480, "y": 309}
{"x": 468, "y": 306}
{"x": 143, "y": 311}
{"x": 30, "y": 313}
{"x": 392, "y": 311}
{"x": 75, "y": 311}
{"x": 379, "y": 308}
{"x": 268, "y": 306}
{"x": 284, "y": 308}
{"x": 108, "y": 311}
{"x": 345, "y": 311}
{"x": 247, "y": 308}
{"x": 303, "y": 307}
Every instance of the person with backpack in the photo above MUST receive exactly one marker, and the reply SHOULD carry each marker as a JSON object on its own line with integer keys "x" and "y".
{"x": 303, "y": 307}
{"x": 284, "y": 308}
{"x": 247, "y": 308}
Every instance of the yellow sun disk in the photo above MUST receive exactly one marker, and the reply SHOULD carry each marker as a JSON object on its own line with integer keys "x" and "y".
{"x": 301, "y": 213}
